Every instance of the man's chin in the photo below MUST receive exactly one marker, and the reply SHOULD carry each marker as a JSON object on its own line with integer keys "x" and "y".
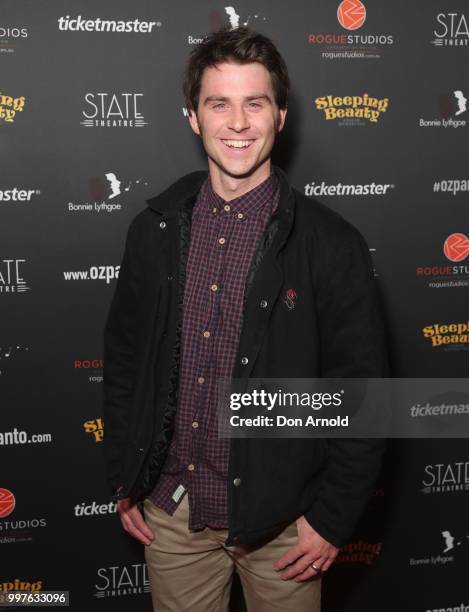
{"x": 239, "y": 171}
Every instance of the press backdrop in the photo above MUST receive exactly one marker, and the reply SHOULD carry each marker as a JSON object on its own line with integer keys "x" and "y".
{"x": 92, "y": 123}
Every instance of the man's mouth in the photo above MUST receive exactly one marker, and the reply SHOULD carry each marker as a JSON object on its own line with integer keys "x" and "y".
{"x": 237, "y": 144}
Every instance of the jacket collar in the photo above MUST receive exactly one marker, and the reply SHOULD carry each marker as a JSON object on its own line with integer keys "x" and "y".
{"x": 184, "y": 192}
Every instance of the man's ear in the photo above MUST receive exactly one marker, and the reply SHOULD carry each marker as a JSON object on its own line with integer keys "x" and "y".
{"x": 194, "y": 121}
{"x": 282, "y": 114}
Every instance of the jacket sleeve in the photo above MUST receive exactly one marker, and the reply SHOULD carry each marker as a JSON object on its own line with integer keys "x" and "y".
{"x": 119, "y": 363}
{"x": 352, "y": 346}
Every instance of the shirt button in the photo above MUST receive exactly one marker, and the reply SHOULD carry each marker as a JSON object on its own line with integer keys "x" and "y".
{"x": 263, "y": 304}
{"x": 162, "y": 225}
{"x": 237, "y": 482}
{"x": 240, "y": 215}
{"x": 244, "y": 360}
{"x": 227, "y": 207}
{"x": 195, "y": 424}
{"x": 221, "y": 241}
{"x": 214, "y": 287}
{"x": 206, "y": 334}
{"x": 201, "y": 380}
{"x": 191, "y": 467}
{"x": 215, "y": 210}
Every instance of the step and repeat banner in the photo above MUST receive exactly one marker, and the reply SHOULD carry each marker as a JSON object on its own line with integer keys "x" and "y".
{"x": 93, "y": 123}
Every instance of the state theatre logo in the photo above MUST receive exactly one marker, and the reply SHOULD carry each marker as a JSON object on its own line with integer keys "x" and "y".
{"x": 441, "y": 478}
{"x": 113, "y": 110}
{"x": 452, "y": 30}
{"x": 118, "y": 580}
{"x": 11, "y": 276}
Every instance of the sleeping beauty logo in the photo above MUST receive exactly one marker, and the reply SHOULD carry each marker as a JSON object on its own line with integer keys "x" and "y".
{"x": 9, "y": 107}
{"x": 352, "y": 110}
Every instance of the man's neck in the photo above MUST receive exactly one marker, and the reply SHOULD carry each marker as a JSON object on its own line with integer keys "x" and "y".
{"x": 230, "y": 187}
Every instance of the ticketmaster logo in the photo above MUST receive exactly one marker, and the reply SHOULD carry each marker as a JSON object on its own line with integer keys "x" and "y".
{"x": 323, "y": 189}
{"x": 106, "y": 25}
{"x": 94, "y": 509}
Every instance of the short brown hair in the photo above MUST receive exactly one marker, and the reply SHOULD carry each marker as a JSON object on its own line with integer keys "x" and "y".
{"x": 241, "y": 46}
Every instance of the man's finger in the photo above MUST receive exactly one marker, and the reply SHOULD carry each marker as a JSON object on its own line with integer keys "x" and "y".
{"x": 327, "y": 565}
{"x": 133, "y": 531}
{"x": 289, "y": 557}
{"x": 309, "y": 573}
{"x": 299, "y": 567}
{"x": 139, "y": 522}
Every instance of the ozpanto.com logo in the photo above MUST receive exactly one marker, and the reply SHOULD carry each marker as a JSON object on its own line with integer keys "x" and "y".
{"x": 351, "y": 14}
{"x": 456, "y": 247}
{"x": 7, "y": 502}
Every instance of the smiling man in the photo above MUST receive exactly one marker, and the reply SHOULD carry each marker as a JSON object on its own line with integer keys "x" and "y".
{"x": 232, "y": 272}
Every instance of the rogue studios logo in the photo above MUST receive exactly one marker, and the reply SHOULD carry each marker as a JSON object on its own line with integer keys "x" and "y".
{"x": 351, "y": 15}
{"x": 15, "y": 530}
{"x": 456, "y": 250}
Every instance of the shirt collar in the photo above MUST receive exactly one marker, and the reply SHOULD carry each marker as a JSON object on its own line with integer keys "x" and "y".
{"x": 248, "y": 203}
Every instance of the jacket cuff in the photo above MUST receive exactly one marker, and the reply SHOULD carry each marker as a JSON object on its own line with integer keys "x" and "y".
{"x": 325, "y": 530}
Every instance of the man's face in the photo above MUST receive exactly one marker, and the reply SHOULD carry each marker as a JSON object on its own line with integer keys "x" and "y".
{"x": 237, "y": 117}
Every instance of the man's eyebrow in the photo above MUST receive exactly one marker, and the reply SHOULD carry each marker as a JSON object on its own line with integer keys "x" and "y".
{"x": 226, "y": 99}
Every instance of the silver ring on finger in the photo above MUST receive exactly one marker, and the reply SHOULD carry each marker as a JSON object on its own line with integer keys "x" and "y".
{"x": 314, "y": 567}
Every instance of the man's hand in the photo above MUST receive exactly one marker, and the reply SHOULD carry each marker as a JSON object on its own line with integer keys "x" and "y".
{"x": 311, "y": 548}
{"x": 133, "y": 521}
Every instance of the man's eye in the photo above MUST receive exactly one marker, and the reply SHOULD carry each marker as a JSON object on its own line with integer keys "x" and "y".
{"x": 254, "y": 104}
{"x": 219, "y": 105}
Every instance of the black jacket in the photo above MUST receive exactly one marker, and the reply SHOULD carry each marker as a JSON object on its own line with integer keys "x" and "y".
{"x": 334, "y": 330}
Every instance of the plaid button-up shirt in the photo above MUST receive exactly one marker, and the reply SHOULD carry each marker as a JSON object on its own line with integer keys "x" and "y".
{"x": 224, "y": 235}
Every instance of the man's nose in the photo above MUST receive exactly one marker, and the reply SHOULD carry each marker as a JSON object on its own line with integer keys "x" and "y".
{"x": 238, "y": 119}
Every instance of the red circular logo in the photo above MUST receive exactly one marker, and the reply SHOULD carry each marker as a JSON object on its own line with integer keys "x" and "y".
{"x": 456, "y": 247}
{"x": 7, "y": 502}
{"x": 351, "y": 14}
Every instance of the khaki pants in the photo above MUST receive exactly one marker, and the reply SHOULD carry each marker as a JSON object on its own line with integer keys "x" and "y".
{"x": 193, "y": 571}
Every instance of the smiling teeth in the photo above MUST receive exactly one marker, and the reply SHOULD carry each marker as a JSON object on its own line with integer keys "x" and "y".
{"x": 238, "y": 144}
